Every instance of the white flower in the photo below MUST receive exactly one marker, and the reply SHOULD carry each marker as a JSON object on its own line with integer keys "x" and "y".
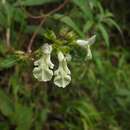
{"x": 43, "y": 66}
{"x": 68, "y": 57}
{"x": 86, "y": 44}
{"x": 62, "y": 74}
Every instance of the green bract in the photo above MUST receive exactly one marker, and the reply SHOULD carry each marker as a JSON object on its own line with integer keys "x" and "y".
{"x": 62, "y": 74}
{"x": 43, "y": 66}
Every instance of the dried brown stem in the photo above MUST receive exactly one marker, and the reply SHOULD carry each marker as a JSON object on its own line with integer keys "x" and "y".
{"x": 44, "y": 18}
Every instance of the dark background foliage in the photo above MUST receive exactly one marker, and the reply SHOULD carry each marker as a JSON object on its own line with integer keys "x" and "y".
{"x": 98, "y": 97}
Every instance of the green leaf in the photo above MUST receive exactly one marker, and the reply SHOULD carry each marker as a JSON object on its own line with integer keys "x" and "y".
{"x": 84, "y": 6}
{"x": 108, "y": 14}
{"x": 2, "y": 19}
{"x": 81, "y": 3}
{"x": 22, "y": 117}
{"x": 68, "y": 21}
{"x": 41, "y": 118}
{"x": 104, "y": 33}
{"x": 8, "y": 62}
{"x": 8, "y": 11}
{"x": 6, "y": 106}
{"x": 123, "y": 92}
{"x": 98, "y": 62}
{"x": 2, "y": 48}
{"x": 31, "y": 28}
{"x": 100, "y": 8}
{"x": 112, "y": 22}
{"x": 19, "y": 15}
{"x": 15, "y": 84}
{"x": 88, "y": 26}
{"x": 86, "y": 110}
{"x": 35, "y": 2}
{"x": 4, "y": 126}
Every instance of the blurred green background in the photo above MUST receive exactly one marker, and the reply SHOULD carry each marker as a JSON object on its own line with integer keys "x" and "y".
{"x": 98, "y": 97}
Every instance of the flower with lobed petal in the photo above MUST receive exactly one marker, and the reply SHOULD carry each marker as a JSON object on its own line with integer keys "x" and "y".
{"x": 62, "y": 74}
{"x": 43, "y": 66}
{"x": 86, "y": 44}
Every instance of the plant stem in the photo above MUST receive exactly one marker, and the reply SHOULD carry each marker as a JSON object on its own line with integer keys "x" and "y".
{"x": 8, "y": 37}
{"x": 44, "y": 18}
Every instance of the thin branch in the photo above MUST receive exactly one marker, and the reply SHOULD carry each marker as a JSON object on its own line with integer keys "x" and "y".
{"x": 8, "y": 37}
{"x": 44, "y": 18}
{"x": 30, "y": 15}
{"x": 7, "y": 34}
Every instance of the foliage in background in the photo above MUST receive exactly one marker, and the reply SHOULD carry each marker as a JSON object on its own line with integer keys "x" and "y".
{"x": 99, "y": 95}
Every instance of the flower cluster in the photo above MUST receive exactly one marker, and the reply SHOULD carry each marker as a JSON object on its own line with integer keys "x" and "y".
{"x": 43, "y": 70}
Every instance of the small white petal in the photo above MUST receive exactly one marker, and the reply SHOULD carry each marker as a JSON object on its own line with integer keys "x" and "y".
{"x": 60, "y": 56}
{"x": 48, "y": 61}
{"x": 89, "y": 53}
{"x": 84, "y": 43}
{"x": 47, "y": 49}
{"x": 91, "y": 40}
{"x": 68, "y": 57}
{"x": 65, "y": 67}
{"x": 36, "y": 63}
{"x": 62, "y": 82}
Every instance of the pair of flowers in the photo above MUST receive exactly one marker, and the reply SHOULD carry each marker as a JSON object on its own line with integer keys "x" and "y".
{"x": 43, "y": 70}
